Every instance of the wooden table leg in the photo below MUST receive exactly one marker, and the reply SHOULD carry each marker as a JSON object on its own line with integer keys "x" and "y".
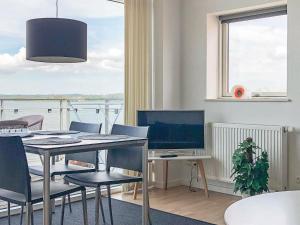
{"x": 203, "y": 177}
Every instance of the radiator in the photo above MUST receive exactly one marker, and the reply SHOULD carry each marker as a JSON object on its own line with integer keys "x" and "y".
{"x": 226, "y": 138}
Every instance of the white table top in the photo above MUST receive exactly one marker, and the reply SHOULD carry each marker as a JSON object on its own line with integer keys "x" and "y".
{"x": 83, "y": 146}
{"x": 280, "y": 208}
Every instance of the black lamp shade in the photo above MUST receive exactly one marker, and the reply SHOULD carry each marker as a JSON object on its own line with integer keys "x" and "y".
{"x": 56, "y": 40}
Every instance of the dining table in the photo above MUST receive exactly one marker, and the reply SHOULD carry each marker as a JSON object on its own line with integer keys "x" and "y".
{"x": 47, "y": 151}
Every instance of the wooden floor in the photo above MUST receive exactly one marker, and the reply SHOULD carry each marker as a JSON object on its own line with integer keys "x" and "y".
{"x": 181, "y": 201}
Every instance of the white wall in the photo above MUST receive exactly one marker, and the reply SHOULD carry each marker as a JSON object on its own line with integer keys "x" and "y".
{"x": 167, "y": 66}
{"x": 167, "y": 54}
{"x": 193, "y": 76}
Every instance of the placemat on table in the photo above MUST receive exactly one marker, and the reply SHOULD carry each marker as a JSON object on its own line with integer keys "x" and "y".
{"x": 103, "y": 137}
{"x": 55, "y": 132}
{"x": 22, "y": 135}
{"x": 52, "y": 141}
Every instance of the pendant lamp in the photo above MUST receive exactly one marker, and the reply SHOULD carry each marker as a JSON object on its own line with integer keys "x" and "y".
{"x": 56, "y": 40}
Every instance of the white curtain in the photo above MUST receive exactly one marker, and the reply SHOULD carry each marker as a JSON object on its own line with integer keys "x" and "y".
{"x": 138, "y": 57}
{"x": 138, "y": 61}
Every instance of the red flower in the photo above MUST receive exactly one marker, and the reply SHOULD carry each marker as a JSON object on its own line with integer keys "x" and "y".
{"x": 238, "y": 92}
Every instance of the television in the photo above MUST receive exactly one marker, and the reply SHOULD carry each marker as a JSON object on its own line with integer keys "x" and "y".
{"x": 173, "y": 129}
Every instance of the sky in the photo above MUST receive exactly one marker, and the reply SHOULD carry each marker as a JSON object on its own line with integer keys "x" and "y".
{"x": 258, "y": 54}
{"x": 103, "y": 73}
{"x": 257, "y": 51}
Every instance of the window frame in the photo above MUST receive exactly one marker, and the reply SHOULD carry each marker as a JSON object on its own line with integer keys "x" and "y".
{"x": 224, "y": 22}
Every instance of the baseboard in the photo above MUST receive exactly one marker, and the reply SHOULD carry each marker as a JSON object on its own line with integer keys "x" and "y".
{"x": 213, "y": 185}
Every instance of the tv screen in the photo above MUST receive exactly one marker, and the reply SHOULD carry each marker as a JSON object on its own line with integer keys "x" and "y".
{"x": 173, "y": 129}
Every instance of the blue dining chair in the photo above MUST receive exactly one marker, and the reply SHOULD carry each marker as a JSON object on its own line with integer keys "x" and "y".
{"x": 85, "y": 157}
{"x": 15, "y": 182}
{"x": 128, "y": 158}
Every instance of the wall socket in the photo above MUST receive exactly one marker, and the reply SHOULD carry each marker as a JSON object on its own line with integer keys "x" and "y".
{"x": 191, "y": 163}
{"x": 297, "y": 180}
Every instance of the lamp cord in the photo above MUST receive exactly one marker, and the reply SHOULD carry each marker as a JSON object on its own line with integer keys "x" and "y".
{"x": 56, "y": 8}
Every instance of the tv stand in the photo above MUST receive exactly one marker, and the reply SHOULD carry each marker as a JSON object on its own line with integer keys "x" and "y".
{"x": 197, "y": 158}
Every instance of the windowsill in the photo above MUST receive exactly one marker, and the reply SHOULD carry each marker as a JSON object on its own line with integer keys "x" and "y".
{"x": 256, "y": 99}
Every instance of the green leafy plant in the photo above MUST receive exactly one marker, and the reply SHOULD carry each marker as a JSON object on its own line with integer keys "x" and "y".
{"x": 250, "y": 171}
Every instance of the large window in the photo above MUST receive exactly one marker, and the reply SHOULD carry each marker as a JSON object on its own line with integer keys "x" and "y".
{"x": 90, "y": 92}
{"x": 254, "y": 52}
{"x": 102, "y": 74}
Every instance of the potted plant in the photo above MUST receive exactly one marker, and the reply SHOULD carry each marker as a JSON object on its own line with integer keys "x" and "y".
{"x": 250, "y": 170}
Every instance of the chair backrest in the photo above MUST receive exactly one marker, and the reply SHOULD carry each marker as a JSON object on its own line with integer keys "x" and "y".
{"x": 35, "y": 122}
{"x": 13, "y": 124}
{"x": 130, "y": 158}
{"x": 14, "y": 173}
{"x": 86, "y": 157}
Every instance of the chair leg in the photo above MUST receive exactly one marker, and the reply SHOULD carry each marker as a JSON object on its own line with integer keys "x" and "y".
{"x": 135, "y": 191}
{"x": 70, "y": 203}
{"x": 109, "y": 204}
{"x": 32, "y": 218}
{"x": 98, "y": 202}
{"x": 84, "y": 208}
{"x": 97, "y": 198}
{"x": 149, "y": 217}
{"x": 21, "y": 216}
{"x": 69, "y": 199}
{"x": 101, "y": 207}
{"x": 51, "y": 215}
{"x": 8, "y": 212}
{"x": 63, "y": 203}
{"x": 28, "y": 214}
{"x": 53, "y": 200}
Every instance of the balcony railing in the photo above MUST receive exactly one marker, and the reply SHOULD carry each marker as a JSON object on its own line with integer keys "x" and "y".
{"x": 58, "y": 111}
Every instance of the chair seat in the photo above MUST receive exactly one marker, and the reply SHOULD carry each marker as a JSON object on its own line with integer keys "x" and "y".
{"x": 60, "y": 169}
{"x": 56, "y": 190}
{"x": 97, "y": 179}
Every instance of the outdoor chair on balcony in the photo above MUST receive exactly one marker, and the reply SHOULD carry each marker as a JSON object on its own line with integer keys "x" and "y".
{"x": 16, "y": 186}
{"x": 90, "y": 158}
{"x": 32, "y": 122}
{"x": 13, "y": 124}
{"x": 129, "y": 158}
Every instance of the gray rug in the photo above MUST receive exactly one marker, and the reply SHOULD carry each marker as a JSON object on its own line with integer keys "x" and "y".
{"x": 124, "y": 214}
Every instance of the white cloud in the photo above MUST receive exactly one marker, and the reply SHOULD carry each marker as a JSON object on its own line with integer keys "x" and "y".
{"x": 258, "y": 55}
{"x": 101, "y": 74}
{"x": 110, "y": 60}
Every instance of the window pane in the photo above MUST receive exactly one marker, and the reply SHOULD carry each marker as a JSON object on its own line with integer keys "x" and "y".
{"x": 258, "y": 54}
{"x": 102, "y": 74}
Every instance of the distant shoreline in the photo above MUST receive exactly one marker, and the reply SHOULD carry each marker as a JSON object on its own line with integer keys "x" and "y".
{"x": 117, "y": 96}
